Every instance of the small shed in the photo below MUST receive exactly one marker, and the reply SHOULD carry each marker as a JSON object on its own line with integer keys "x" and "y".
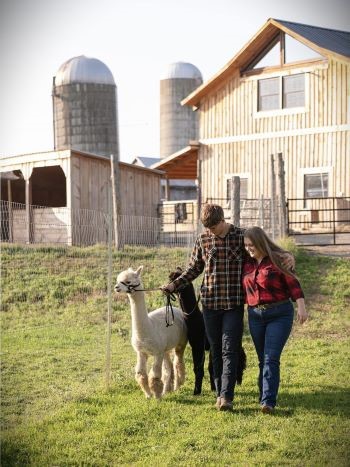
{"x": 63, "y": 196}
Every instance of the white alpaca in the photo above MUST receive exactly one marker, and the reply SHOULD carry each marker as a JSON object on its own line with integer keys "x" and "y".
{"x": 151, "y": 336}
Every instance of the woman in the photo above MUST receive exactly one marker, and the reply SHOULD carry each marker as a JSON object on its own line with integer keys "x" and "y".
{"x": 268, "y": 287}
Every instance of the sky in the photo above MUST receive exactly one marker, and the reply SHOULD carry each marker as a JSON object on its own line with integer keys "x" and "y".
{"x": 137, "y": 40}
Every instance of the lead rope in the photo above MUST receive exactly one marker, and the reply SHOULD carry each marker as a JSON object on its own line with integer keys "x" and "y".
{"x": 170, "y": 297}
{"x": 194, "y": 308}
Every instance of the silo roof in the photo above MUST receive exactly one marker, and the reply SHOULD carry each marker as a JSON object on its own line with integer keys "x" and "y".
{"x": 182, "y": 70}
{"x": 83, "y": 69}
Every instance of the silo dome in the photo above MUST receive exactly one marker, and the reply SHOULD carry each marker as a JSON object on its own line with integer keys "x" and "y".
{"x": 83, "y": 70}
{"x": 178, "y": 124}
{"x": 182, "y": 70}
{"x": 84, "y": 97}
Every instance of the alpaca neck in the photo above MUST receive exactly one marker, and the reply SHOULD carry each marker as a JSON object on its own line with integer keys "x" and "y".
{"x": 139, "y": 314}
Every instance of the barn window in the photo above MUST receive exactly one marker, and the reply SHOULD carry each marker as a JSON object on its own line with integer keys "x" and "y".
{"x": 282, "y": 92}
{"x": 316, "y": 185}
{"x": 293, "y": 91}
{"x": 268, "y": 94}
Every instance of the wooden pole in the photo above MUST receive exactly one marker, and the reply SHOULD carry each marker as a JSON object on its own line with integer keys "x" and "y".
{"x": 10, "y": 212}
{"x": 109, "y": 296}
{"x": 282, "y": 195}
{"x": 115, "y": 200}
{"x": 235, "y": 200}
{"x": 199, "y": 189}
{"x": 29, "y": 212}
{"x": 273, "y": 196}
{"x": 261, "y": 211}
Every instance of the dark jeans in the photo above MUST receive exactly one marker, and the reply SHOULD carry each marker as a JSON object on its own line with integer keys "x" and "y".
{"x": 270, "y": 330}
{"x": 224, "y": 330}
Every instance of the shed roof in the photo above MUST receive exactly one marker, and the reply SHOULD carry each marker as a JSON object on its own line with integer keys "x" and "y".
{"x": 327, "y": 42}
{"x": 44, "y": 159}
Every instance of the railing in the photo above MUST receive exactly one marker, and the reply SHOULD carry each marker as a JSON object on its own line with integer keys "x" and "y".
{"x": 319, "y": 221}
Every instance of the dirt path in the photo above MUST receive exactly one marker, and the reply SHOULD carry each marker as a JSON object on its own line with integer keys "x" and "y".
{"x": 339, "y": 251}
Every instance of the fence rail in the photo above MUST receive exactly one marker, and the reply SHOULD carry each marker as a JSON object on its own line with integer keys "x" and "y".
{"x": 316, "y": 221}
{"x": 319, "y": 221}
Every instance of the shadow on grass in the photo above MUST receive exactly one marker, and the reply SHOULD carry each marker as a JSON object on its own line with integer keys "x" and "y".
{"x": 330, "y": 400}
{"x": 14, "y": 453}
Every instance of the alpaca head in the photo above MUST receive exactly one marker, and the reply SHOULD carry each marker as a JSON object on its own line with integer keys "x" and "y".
{"x": 129, "y": 280}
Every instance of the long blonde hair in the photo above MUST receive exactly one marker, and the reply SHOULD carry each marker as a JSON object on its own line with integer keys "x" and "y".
{"x": 268, "y": 248}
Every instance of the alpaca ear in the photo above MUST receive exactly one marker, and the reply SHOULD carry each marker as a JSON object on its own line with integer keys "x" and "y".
{"x": 139, "y": 270}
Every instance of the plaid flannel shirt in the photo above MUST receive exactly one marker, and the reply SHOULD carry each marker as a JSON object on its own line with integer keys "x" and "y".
{"x": 265, "y": 283}
{"x": 221, "y": 260}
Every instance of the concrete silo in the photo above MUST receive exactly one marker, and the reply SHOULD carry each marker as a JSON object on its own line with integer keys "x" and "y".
{"x": 178, "y": 124}
{"x": 85, "y": 112}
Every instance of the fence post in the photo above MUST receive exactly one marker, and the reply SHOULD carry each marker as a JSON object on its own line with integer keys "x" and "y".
{"x": 261, "y": 211}
{"x": 235, "y": 200}
{"x": 273, "y": 196}
{"x": 10, "y": 212}
{"x": 282, "y": 194}
{"x": 109, "y": 296}
{"x": 199, "y": 189}
{"x": 116, "y": 199}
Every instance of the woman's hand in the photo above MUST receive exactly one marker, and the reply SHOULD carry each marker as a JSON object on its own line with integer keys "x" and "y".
{"x": 302, "y": 315}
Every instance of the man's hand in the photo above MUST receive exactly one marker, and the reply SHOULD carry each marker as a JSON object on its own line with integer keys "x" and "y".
{"x": 168, "y": 288}
{"x": 288, "y": 261}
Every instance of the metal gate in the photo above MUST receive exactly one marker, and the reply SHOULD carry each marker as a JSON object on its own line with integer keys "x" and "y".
{"x": 319, "y": 221}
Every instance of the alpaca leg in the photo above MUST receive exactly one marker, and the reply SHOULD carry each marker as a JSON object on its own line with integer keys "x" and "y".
{"x": 141, "y": 374}
{"x": 155, "y": 377}
{"x": 167, "y": 374}
{"x": 198, "y": 356}
{"x": 211, "y": 372}
{"x": 242, "y": 363}
{"x": 179, "y": 367}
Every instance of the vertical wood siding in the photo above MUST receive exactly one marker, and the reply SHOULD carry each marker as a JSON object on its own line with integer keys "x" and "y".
{"x": 231, "y": 112}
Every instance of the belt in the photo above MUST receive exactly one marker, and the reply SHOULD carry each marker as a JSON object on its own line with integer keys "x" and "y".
{"x": 265, "y": 306}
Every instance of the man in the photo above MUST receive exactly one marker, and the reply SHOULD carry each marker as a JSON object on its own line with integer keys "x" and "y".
{"x": 219, "y": 253}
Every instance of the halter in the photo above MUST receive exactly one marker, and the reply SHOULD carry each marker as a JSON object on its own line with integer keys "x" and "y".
{"x": 132, "y": 287}
{"x": 169, "y": 321}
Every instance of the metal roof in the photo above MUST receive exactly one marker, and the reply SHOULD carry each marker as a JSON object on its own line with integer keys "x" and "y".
{"x": 145, "y": 161}
{"x": 330, "y": 39}
{"x": 182, "y": 70}
{"x": 83, "y": 69}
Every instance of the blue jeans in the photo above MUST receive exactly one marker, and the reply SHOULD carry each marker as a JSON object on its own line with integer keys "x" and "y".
{"x": 224, "y": 329}
{"x": 270, "y": 330}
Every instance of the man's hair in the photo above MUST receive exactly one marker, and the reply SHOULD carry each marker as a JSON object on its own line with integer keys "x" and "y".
{"x": 211, "y": 214}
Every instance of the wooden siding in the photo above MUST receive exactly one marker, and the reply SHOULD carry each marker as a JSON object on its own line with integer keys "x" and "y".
{"x": 235, "y": 139}
{"x": 90, "y": 180}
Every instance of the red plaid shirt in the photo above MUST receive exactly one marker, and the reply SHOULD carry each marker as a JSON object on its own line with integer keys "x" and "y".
{"x": 221, "y": 261}
{"x": 264, "y": 283}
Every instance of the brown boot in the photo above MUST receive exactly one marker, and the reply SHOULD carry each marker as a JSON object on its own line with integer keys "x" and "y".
{"x": 226, "y": 405}
{"x": 267, "y": 409}
{"x": 218, "y": 403}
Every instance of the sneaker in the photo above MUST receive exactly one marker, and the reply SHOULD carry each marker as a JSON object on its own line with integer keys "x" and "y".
{"x": 226, "y": 405}
{"x": 218, "y": 402}
{"x": 267, "y": 409}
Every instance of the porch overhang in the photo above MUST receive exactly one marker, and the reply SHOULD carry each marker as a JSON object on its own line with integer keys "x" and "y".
{"x": 182, "y": 165}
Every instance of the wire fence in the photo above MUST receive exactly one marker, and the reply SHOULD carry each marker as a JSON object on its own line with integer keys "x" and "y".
{"x": 61, "y": 323}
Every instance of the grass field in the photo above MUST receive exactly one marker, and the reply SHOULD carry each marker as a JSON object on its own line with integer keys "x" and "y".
{"x": 56, "y": 410}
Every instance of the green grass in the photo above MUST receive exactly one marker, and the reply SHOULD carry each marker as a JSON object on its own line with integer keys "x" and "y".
{"x": 56, "y": 410}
